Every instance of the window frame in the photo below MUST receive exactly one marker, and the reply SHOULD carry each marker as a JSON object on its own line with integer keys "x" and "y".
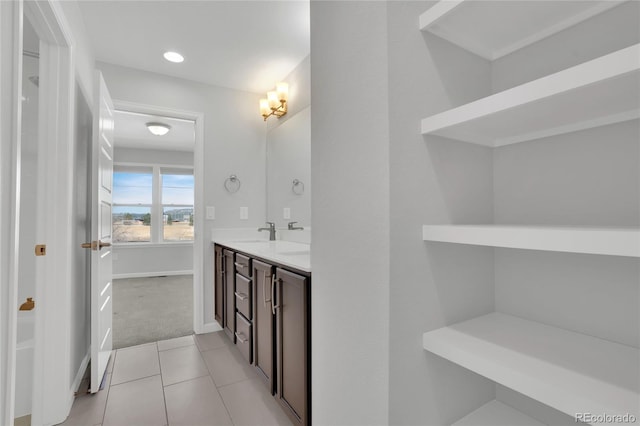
{"x": 156, "y": 206}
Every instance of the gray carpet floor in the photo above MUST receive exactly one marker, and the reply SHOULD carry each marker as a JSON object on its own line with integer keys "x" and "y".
{"x": 151, "y": 309}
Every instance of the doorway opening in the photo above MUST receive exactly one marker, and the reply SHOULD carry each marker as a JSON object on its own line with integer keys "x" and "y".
{"x": 153, "y": 223}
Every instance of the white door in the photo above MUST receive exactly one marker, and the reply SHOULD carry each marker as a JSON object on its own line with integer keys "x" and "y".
{"x": 101, "y": 254}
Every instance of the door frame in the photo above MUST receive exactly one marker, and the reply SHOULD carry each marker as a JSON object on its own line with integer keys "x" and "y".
{"x": 199, "y": 325}
{"x": 52, "y": 396}
{"x": 10, "y": 120}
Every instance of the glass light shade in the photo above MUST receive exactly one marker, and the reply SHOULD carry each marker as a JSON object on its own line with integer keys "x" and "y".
{"x": 283, "y": 91}
{"x": 264, "y": 107}
{"x": 272, "y": 97}
{"x": 173, "y": 57}
{"x": 158, "y": 129}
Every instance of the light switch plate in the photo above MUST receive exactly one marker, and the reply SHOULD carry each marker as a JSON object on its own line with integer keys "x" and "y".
{"x": 286, "y": 214}
{"x": 211, "y": 213}
{"x": 244, "y": 213}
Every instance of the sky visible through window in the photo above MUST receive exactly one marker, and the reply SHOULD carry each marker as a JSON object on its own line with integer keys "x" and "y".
{"x": 131, "y": 189}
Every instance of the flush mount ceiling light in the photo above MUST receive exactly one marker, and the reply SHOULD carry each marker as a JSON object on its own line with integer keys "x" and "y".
{"x": 276, "y": 102}
{"x": 158, "y": 129}
{"x": 173, "y": 57}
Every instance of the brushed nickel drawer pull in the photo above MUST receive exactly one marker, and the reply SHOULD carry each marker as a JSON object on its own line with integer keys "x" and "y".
{"x": 241, "y": 337}
{"x": 273, "y": 285}
{"x": 264, "y": 289}
{"x": 241, "y": 296}
{"x": 238, "y": 265}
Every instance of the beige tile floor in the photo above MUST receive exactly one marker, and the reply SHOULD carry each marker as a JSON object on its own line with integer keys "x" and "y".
{"x": 193, "y": 380}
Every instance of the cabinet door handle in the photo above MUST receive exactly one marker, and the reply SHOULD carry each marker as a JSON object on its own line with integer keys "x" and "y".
{"x": 264, "y": 289}
{"x": 241, "y": 337}
{"x": 273, "y": 286}
{"x": 238, "y": 265}
{"x": 273, "y": 296}
{"x": 241, "y": 296}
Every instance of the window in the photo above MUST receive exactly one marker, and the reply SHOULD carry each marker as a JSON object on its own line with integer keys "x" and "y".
{"x": 152, "y": 204}
{"x": 177, "y": 204}
{"x": 132, "y": 202}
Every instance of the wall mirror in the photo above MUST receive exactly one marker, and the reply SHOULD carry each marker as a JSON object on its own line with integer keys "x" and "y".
{"x": 289, "y": 171}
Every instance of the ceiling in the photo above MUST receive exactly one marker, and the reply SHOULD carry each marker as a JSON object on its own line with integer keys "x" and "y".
{"x": 245, "y": 45}
{"x": 131, "y": 132}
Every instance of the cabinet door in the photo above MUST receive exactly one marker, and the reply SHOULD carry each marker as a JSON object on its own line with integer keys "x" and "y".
{"x": 219, "y": 285}
{"x": 229, "y": 295}
{"x": 292, "y": 325}
{"x": 263, "y": 323}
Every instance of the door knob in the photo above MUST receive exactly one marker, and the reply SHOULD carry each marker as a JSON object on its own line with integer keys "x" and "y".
{"x": 95, "y": 245}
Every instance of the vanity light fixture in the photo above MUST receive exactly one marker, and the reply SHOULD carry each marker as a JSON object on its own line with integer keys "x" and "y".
{"x": 158, "y": 129}
{"x": 276, "y": 102}
{"x": 173, "y": 57}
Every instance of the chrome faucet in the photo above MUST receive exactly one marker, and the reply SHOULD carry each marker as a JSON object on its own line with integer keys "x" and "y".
{"x": 271, "y": 229}
{"x": 294, "y": 228}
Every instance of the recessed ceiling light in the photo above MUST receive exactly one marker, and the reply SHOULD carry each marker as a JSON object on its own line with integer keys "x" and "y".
{"x": 173, "y": 57}
{"x": 158, "y": 129}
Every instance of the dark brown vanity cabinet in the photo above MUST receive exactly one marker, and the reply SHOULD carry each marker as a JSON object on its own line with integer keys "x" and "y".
{"x": 264, "y": 322}
{"x": 219, "y": 286}
{"x": 229, "y": 298}
{"x": 267, "y": 314}
{"x": 293, "y": 344}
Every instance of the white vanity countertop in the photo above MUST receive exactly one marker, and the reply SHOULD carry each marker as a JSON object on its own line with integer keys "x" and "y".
{"x": 287, "y": 253}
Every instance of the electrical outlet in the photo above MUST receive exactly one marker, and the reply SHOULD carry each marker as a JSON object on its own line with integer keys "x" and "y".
{"x": 286, "y": 213}
{"x": 244, "y": 213}
{"x": 211, "y": 213}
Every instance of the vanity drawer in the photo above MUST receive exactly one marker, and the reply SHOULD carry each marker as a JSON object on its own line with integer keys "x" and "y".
{"x": 243, "y": 265}
{"x": 243, "y": 296}
{"x": 244, "y": 338}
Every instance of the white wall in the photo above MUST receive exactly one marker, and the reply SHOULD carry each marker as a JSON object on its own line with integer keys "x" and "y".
{"x": 433, "y": 181}
{"x": 234, "y": 143}
{"x": 350, "y": 204}
{"x": 586, "y": 178}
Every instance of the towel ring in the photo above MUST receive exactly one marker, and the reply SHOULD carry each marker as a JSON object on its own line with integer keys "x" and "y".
{"x": 232, "y": 184}
{"x": 297, "y": 187}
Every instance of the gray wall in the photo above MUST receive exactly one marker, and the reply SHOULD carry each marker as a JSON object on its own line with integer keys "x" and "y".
{"x": 350, "y": 204}
{"x": 234, "y": 143}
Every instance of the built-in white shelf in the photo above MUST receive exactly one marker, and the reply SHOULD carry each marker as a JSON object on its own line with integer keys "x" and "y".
{"x": 496, "y": 413}
{"x": 571, "y": 372}
{"x": 595, "y": 93}
{"x": 495, "y": 29}
{"x": 603, "y": 241}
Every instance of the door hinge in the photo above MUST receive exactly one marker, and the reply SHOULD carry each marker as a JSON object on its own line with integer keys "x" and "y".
{"x": 41, "y": 250}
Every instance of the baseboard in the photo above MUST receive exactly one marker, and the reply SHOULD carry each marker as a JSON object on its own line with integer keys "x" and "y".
{"x": 151, "y": 274}
{"x": 80, "y": 374}
{"x": 75, "y": 385}
{"x": 210, "y": 327}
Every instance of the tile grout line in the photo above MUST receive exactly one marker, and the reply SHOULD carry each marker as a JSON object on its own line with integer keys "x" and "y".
{"x": 164, "y": 397}
{"x": 216, "y": 386}
{"x": 106, "y": 400}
